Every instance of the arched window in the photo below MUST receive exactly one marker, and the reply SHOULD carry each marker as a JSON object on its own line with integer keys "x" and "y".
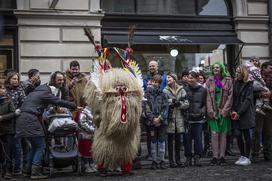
{"x": 167, "y": 7}
{"x": 212, "y": 7}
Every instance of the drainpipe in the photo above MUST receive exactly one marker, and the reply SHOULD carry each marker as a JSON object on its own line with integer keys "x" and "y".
{"x": 270, "y": 28}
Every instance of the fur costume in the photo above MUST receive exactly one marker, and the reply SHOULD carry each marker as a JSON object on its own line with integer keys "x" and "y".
{"x": 116, "y": 106}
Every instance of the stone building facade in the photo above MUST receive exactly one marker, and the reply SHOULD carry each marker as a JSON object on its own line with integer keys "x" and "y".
{"x": 51, "y": 35}
{"x": 48, "y": 34}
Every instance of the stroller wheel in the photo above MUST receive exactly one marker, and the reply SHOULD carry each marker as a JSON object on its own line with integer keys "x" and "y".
{"x": 75, "y": 167}
{"x": 51, "y": 168}
{"x": 80, "y": 165}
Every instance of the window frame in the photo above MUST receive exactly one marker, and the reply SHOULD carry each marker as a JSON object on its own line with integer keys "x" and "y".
{"x": 196, "y": 14}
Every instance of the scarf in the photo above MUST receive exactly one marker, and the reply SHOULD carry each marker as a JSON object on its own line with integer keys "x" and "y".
{"x": 218, "y": 82}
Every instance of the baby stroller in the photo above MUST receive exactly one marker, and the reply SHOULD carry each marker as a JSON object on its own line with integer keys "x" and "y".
{"x": 61, "y": 143}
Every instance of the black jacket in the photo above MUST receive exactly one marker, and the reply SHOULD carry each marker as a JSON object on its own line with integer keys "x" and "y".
{"x": 7, "y": 123}
{"x": 28, "y": 123}
{"x": 243, "y": 104}
{"x": 197, "y": 100}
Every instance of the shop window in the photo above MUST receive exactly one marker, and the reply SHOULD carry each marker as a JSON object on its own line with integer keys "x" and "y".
{"x": 174, "y": 7}
{"x": 212, "y": 7}
{"x": 118, "y": 6}
{"x": 7, "y": 4}
{"x": 190, "y": 57}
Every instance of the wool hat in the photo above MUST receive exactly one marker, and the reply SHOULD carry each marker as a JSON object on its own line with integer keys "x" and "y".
{"x": 174, "y": 76}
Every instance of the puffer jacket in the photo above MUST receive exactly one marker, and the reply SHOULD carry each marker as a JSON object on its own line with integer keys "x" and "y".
{"x": 176, "y": 110}
{"x": 155, "y": 106}
{"x": 197, "y": 100}
{"x": 85, "y": 124}
{"x": 7, "y": 113}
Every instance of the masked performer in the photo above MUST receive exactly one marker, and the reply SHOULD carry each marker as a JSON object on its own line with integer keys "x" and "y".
{"x": 114, "y": 96}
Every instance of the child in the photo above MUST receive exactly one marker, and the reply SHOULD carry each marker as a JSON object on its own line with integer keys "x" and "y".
{"x": 86, "y": 133}
{"x": 7, "y": 125}
{"x": 258, "y": 86}
{"x": 156, "y": 112}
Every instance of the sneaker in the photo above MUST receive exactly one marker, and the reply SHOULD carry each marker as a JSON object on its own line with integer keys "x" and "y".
{"x": 245, "y": 162}
{"x": 89, "y": 168}
{"x": 239, "y": 160}
{"x": 17, "y": 172}
{"x": 188, "y": 162}
{"x": 7, "y": 175}
{"x": 214, "y": 161}
{"x": 36, "y": 173}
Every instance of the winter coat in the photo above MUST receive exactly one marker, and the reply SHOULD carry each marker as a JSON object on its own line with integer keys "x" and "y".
{"x": 17, "y": 96}
{"x": 226, "y": 97}
{"x": 149, "y": 76}
{"x": 155, "y": 106}
{"x": 7, "y": 120}
{"x": 76, "y": 91}
{"x": 197, "y": 100}
{"x": 85, "y": 124}
{"x": 176, "y": 109}
{"x": 33, "y": 108}
{"x": 243, "y": 104}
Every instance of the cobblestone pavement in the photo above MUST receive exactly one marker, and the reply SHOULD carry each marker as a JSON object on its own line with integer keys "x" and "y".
{"x": 260, "y": 171}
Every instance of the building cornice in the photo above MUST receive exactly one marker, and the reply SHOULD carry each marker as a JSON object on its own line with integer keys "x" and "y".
{"x": 251, "y": 19}
{"x": 58, "y": 14}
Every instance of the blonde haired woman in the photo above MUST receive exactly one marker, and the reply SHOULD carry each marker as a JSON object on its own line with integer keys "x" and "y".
{"x": 243, "y": 113}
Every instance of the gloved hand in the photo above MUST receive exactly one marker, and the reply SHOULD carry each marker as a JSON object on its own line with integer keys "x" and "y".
{"x": 177, "y": 104}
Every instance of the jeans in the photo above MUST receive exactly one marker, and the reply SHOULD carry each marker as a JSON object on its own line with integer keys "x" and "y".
{"x": 194, "y": 133}
{"x": 21, "y": 147}
{"x": 263, "y": 130}
{"x": 36, "y": 151}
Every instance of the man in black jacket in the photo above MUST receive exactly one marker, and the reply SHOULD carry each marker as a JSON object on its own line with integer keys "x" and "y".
{"x": 32, "y": 82}
{"x": 28, "y": 124}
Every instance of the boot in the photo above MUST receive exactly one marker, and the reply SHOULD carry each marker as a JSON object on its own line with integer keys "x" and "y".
{"x": 197, "y": 161}
{"x": 172, "y": 164}
{"x": 154, "y": 165}
{"x": 267, "y": 107}
{"x": 188, "y": 162}
{"x": 180, "y": 164}
{"x": 26, "y": 170}
{"x": 162, "y": 165}
{"x": 36, "y": 173}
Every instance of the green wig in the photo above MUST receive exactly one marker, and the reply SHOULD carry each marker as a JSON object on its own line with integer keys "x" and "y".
{"x": 223, "y": 69}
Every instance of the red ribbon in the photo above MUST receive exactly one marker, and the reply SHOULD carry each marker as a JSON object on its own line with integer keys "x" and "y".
{"x": 123, "y": 109}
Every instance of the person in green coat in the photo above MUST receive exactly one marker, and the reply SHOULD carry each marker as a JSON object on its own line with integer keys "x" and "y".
{"x": 219, "y": 102}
